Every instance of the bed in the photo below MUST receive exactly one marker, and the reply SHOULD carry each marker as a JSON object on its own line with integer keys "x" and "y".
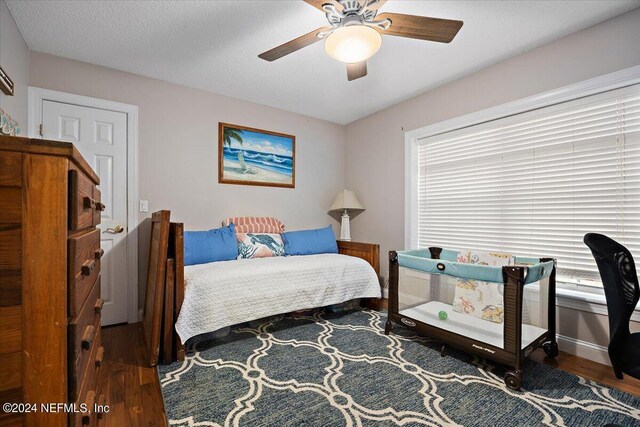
{"x": 226, "y": 293}
{"x": 212, "y": 296}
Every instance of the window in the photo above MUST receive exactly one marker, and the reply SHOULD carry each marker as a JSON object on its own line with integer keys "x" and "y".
{"x": 534, "y": 183}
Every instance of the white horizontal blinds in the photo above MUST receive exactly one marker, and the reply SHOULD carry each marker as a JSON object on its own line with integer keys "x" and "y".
{"x": 535, "y": 183}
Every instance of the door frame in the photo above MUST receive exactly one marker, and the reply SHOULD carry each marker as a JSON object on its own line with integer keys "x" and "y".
{"x": 36, "y": 97}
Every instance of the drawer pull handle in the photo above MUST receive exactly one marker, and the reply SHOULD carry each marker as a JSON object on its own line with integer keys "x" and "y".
{"x": 99, "y": 305}
{"x": 103, "y": 403}
{"x": 87, "y": 337}
{"x": 100, "y": 206}
{"x": 90, "y": 401}
{"x": 87, "y": 267}
{"x": 99, "y": 357}
{"x": 98, "y": 253}
{"x": 88, "y": 202}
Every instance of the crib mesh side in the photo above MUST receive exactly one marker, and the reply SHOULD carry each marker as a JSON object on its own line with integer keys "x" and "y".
{"x": 465, "y": 307}
{"x": 474, "y": 308}
{"x": 535, "y": 310}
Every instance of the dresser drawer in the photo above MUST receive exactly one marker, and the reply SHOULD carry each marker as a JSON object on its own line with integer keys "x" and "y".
{"x": 84, "y": 340}
{"x": 85, "y": 204}
{"x": 84, "y": 267}
{"x": 91, "y": 391}
{"x": 102, "y": 401}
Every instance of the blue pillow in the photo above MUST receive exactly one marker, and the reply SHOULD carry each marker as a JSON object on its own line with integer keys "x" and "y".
{"x": 218, "y": 244}
{"x": 309, "y": 242}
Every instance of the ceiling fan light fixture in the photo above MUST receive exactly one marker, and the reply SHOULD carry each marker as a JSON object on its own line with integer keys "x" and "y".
{"x": 353, "y": 43}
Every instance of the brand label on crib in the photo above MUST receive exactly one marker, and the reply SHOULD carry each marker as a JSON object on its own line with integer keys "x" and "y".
{"x": 488, "y": 350}
{"x": 408, "y": 322}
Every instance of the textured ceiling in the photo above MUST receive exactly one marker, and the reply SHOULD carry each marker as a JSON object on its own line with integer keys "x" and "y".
{"x": 214, "y": 46}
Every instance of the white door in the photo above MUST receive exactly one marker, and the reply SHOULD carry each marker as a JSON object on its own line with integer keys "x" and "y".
{"x": 101, "y": 138}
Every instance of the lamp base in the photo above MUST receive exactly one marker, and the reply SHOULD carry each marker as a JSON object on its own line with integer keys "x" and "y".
{"x": 345, "y": 231}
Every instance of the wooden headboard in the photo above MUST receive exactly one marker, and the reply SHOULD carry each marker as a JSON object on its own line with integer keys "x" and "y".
{"x": 165, "y": 289}
{"x": 176, "y": 250}
{"x": 154, "y": 300}
{"x": 369, "y": 252}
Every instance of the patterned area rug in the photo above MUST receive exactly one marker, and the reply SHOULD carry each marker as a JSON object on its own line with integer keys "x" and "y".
{"x": 341, "y": 370}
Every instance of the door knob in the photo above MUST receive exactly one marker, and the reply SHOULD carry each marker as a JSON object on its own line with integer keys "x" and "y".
{"x": 115, "y": 230}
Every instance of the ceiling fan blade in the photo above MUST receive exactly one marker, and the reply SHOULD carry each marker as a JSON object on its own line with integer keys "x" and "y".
{"x": 318, "y": 4}
{"x": 357, "y": 70}
{"x": 293, "y": 45}
{"x": 421, "y": 27}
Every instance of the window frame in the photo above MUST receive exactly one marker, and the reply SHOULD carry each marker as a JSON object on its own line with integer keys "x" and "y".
{"x": 616, "y": 80}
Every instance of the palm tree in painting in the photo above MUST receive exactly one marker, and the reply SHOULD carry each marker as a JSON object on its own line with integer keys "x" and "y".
{"x": 229, "y": 134}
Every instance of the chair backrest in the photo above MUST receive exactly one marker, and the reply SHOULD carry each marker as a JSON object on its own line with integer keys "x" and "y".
{"x": 620, "y": 282}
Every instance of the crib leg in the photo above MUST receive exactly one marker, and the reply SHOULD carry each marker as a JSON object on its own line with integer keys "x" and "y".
{"x": 551, "y": 348}
{"x": 387, "y": 327}
{"x": 513, "y": 379}
{"x": 442, "y": 350}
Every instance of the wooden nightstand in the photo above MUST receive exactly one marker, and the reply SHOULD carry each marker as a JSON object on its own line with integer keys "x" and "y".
{"x": 369, "y": 252}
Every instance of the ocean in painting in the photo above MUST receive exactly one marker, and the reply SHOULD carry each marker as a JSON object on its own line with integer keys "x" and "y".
{"x": 273, "y": 162}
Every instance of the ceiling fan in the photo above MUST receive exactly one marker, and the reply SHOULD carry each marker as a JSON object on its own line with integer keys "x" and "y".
{"x": 356, "y": 29}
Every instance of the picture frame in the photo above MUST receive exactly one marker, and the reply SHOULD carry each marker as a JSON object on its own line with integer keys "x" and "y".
{"x": 6, "y": 84}
{"x": 251, "y": 156}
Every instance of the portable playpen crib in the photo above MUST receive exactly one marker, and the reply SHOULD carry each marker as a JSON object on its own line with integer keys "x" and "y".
{"x": 494, "y": 305}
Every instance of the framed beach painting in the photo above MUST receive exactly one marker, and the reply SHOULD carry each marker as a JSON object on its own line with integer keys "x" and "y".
{"x": 249, "y": 156}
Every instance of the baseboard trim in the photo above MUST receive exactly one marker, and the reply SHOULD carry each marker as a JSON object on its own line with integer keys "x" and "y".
{"x": 584, "y": 349}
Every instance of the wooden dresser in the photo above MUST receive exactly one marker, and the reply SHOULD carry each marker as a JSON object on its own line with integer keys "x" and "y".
{"x": 50, "y": 349}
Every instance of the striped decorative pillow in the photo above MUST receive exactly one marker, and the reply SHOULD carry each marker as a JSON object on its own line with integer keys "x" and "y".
{"x": 255, "y": 224}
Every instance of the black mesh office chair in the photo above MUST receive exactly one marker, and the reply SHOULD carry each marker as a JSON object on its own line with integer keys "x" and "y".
{"x": 620, "y": 281}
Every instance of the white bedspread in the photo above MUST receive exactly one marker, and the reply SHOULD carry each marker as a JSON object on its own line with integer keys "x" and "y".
{"x": 226, "y": 293}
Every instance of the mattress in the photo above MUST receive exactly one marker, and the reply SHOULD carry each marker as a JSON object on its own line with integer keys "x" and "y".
{"x": 463, "y": 324}
{"x": 226, "y": 293}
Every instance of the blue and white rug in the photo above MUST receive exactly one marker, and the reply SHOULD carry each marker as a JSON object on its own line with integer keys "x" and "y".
{"x": 341, "y": 370}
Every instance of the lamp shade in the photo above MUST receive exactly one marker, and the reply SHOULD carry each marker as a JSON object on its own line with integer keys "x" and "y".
{"x": 346, "y": 200}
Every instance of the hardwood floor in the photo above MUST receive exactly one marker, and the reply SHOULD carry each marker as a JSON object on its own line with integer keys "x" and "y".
{"x": 590, "y": 370}
{"x": 131, "y": 386}
{"x": 135, "y": 398}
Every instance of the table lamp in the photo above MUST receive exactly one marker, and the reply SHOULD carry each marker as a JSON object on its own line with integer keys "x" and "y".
{"x": 346, "y": 200}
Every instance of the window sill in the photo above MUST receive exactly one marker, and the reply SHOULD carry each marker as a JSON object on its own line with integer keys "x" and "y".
{"x": 590, "y": 302}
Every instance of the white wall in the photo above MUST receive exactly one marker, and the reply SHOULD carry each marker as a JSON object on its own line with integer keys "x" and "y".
{"x": 178, "y": 149}
{"x": 14, "y": 59}
{"x": 375, "y": 144}
{"x": 375, "y": 147}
